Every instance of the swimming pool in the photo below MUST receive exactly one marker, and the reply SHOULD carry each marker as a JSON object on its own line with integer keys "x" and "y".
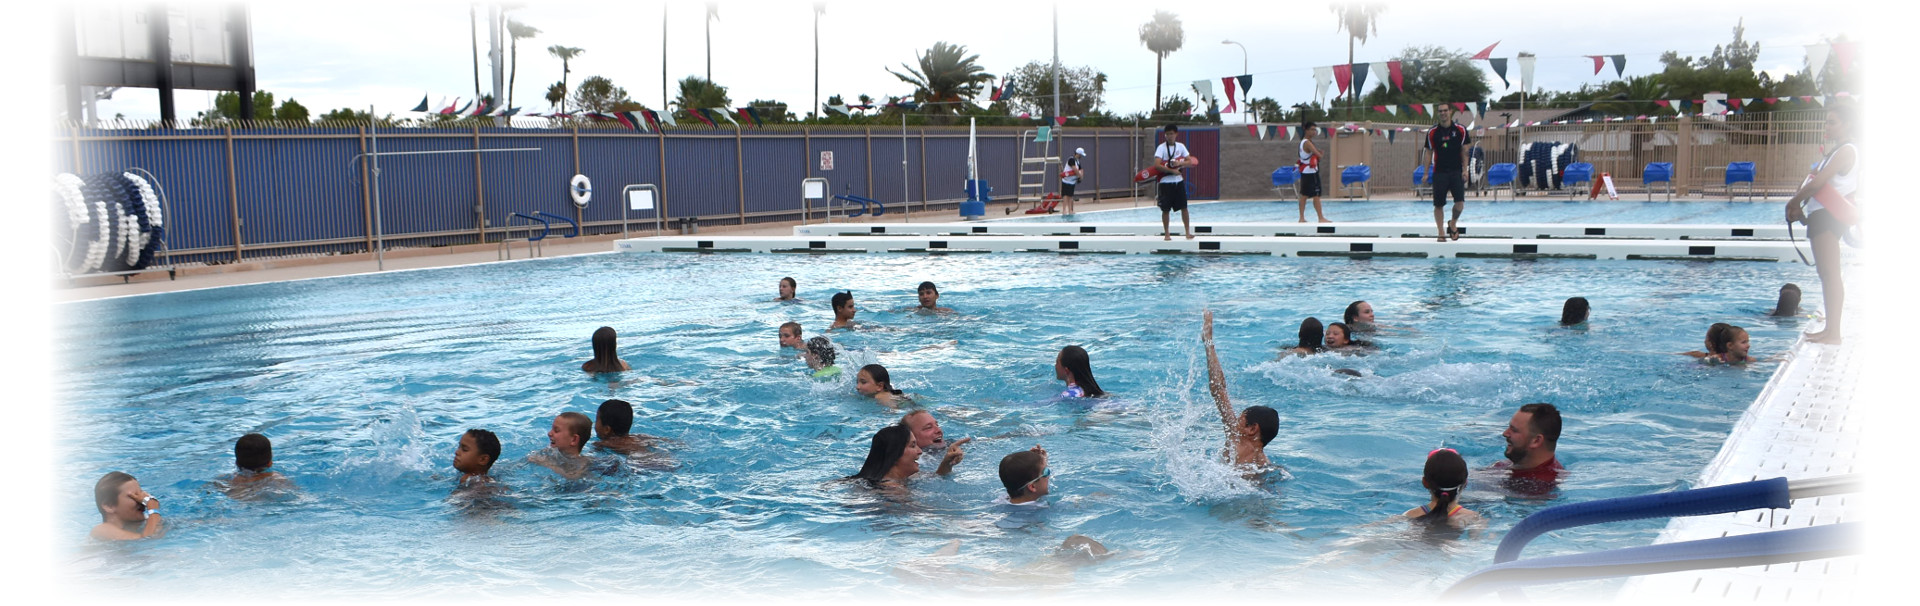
{"x": 365, "y": 383}
{"x": 1478, "y": 210}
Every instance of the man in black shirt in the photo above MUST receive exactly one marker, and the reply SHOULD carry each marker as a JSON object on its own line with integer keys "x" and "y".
{"x": 1447, "y": 148}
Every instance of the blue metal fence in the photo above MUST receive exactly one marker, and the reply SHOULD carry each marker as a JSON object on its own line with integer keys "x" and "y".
{"x": 240, "y": 193}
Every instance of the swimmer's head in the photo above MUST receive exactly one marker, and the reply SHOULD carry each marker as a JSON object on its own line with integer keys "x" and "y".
{"x": 116, "y": 495}
{"x": 1535, "y": 427}
{"x": 925, "y": 429}
{"x": 787, "y": 287}
{"x": 822, "y": 350}
{"x": 1346, "y": 371}
{"x": 843, "y": 304}
{"x": 1072, "y": 363}
{"x": 570, "y": 431}
{"x": 1021, "y": 474}
{"x": 1312, "y": 335}
{"x": 1789, "y": 303}
{"x": 1445, "y": 476}
{"x": 1736, "y": 345}
{"x": 929, "y": 294}
{"x": 1337, "y": 335}
{"x": 1359, "y": 312}
{"x": 790, "y": 335}
{"x": 1717, "y": 337}
{"x": 253, "y": 452}
{"x": 1574, "y": 311}
{"x": 873, "y": 379}
{"x": 606, "y": 356}
{"x": 478, "y": 450}
{"x": 893, "y": 452}
{"x": 1263, "y": 419}
{"x": 614, "y": 419}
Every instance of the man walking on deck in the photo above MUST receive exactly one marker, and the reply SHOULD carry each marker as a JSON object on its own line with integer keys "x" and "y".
{"x": 1446, "y": 150}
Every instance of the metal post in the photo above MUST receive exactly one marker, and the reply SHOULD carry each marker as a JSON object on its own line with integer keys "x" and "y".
{"x": 740, "y": 170}
{"x": 366, "y": 193}
{"x": 660, "y": 211}
{"x": 233, "y": 195}
{"x": 870, "y": 191}
{"x": 923, "y": 168}
{"x": 479, "y": 191}
{"x": 379, "y": 239}
{"x": 904, "y": 196}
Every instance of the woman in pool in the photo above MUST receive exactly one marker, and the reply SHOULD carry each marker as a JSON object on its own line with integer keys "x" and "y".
{"x": 1340, "y": 338}
{"x": 1445, "y": 476}
{"x": 1311, "y": 338}
{"x": 1574, "y": 312}
{"x": 1359, "y": 316}
{"x": 787, "y": 286}
{"x": 892, "y": 459}
{"x": 819, "y": 357}
{"x": 1073, "y": 367}
{"x": 873, "y": 381}
{"x": 605, "y": 358}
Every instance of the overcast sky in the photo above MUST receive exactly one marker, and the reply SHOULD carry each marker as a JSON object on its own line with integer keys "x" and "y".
{"x": 389, "y": 54}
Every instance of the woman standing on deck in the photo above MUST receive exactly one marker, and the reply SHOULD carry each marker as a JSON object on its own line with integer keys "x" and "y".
{"x": 1839, "y": 176}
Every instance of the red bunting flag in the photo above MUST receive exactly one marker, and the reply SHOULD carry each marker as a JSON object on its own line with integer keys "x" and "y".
{"x": 1393, "y": 74}
{"x": 1663, "y": 103}
{"x": 1253, "y": 130}
{"x": 1380, "y": 108}
{"x": 1060, "y": 120}
{"x": 702, "y": 117}
{"x": 1485, "y": 53}
{"x": 1599, "y": 61}
{"x": 1227, "y": 83}
{"x": 1342, "y": 76}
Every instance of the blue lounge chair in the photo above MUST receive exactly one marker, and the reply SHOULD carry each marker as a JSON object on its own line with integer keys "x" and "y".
{"x": 1287, "y": 178}
{"x": 1657, "y": 172}
{"x": 1578, "y": 172}
{"x": 1740, "y": 172}
{"x": 1358, "y": 173}
{"x": 1502, "y": 175}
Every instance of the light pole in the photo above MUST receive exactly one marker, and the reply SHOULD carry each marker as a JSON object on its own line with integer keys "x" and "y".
{"x": 1243, "y": 70}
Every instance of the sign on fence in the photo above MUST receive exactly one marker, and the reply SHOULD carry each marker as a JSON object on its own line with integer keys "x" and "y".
{"x": 826, "y": 160}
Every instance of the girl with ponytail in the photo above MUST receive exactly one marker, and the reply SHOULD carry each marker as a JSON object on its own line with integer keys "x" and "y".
{"x": 1445, "y": 476}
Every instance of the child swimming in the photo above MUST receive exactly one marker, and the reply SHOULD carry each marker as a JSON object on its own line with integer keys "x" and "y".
{"x": 892, "y": 458}
{"x": 1249, "y": 433}
{"x": 1340, "y": 337}
{"x": 1725, "y": 344}
{"x": 930, "y": 300}
{"x": 612, "y": 423}
{"x": 843, "y": 310}
{"x": 1025, "y": 475}
{"x": 565, "y": 438}
{"x": 819, "y": 356}
{"x": 605, "y": 356}
{"x": 1445, "y": 476}
{"x": 1312, "y": 337}
{"x": 474, "y": 457}
{"x": 875, "y": 382}
{"x": 126, "y": 511}
{"x": 1071, "y": 365}
{"x": 787, "y": 286}
{"x": 1574, "y": 311}
{"x": 253, "y": 456}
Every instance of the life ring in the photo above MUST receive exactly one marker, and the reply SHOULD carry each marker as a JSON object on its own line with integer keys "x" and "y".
{"x": 581, "y": 188}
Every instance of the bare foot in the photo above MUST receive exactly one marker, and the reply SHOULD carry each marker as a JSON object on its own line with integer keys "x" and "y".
{"x": 1189, "y": 236}
{"x": 1825, "y": 336}
{"x": 1324, "y": 220}
{"x": 1166, "y": 237}
{"x": 1443, "y": 238}
{"x": 1303, "y": 219}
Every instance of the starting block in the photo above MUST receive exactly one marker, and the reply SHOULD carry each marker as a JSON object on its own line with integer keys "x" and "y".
{"x": 1605, "y": 181}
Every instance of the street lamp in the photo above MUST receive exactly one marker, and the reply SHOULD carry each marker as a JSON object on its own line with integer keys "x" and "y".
{"x": 1243, "y": 70}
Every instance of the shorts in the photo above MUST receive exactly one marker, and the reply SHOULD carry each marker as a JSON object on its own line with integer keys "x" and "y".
{"x": 1449, "y": 181}
{"x": 1310, "y": 185}
{"x": 1066, "y": 189}
{"x": 1173, "y": 196}
{"x": 1821, "y": 222}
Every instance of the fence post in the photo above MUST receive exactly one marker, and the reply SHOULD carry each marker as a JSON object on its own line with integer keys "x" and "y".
{"x": 806, "y": 163}
{"x": 740, "y": 171}
{"x": 870, "y": 161}
{"x": 479, "y": 191}
{"x": 923, "y": 169}
{"x": 659, "y": 214}
{"x": 233, "y": 195}
{"x": 1096, "y": 166}
{"x": 1683, "y": 161}
{"x": 366, "y": 191}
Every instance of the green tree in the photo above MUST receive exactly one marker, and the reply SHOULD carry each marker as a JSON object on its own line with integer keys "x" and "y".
{"x": 1360, "y": 20}
{"x": 226, "y": 107}
{"x": 1728, "y": 70}
{"x": 517, "y": 31}
{"x": 346, "y": 115}
{"x": 1266, "y": 109}
{"x": 566, "y": 55}
{"x": 1431, "y": 74}
{"x": 1174, "y": 110}
{"x": 771, "y": 112}
{"x": 698, "y": 92}
{"x": 1163, "y": 35}
{"x": 291, "y": 111}
{"x": 598, "y": 94}
{"x": 1630, "y": 97}
{"x": 1082, "y": 89}
{"x": 947, "y": 79}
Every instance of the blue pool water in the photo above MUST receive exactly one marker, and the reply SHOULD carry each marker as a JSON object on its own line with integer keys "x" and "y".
{"x": 1525, "y": 210}
{"x": 365, "y": 383}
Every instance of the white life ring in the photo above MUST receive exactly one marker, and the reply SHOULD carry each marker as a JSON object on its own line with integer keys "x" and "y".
{"x": 581, "y": 188}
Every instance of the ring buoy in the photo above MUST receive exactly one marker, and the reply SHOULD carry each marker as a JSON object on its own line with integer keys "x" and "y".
{"x": 581, "y": 188}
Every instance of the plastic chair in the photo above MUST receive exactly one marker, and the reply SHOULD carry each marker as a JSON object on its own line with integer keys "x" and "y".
{"x": 1358, "y": 173}
{"x": 1502, "y": 174}
{"x": 1740, "y": 172}
{"x": 1578, "y": 172}
{"x": 1657, "y": 172}
{"x": 1422, "y": 181}
{"x": 1287, "y": 177}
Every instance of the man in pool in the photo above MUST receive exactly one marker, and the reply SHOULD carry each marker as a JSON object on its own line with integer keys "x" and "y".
{"x": 1025, "y": 475}
{"x": 790, "y": 336}
{"x": 842, "y": 310}
{"x": 569, "y": 433}
{"x": 930, "y": 300}
{"x": 1249, "y": 432}
{"x": 474, "y": 457}
{"x": 126, "y": 511}
{"x": 927, "y": 435}
{"x": 1531, "y": 437}
{"x": 253, "y": 455}
{"x": 611, "y": 424}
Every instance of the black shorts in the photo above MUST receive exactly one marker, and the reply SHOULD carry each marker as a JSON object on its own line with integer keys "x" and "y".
{"x": 1821, "y": 222}
{"x": 1173, "y": 196}
{"x": 1309, "y": 185}
{"x": 1066, "y": 189}
{"x": 1448, "y": 181}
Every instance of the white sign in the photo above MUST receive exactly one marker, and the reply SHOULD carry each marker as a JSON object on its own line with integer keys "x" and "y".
{"x": 640, "y": 199}
{"x": 826, "y": 160}
{"x": 813, "y": 190}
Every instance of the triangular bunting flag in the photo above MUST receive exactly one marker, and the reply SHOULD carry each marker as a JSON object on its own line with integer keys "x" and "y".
{"x": 1500, "y": 68}
{"x": 449, "y": 109}
{"x": 1843, "y": 52}
{"x": 1485, "y": 53}
{"x": 1360, "y": 78}
{"x": 1663, "y": 103}
{"x": 1322, "y": 76}
{"x": 1482, "y": 107}
{"x": 1380, "y": 108}
{"x": 1246, "y": 84}
{"x": 1227, "y": 83}
{"x": 1619, "y": 65}
{"x": 1460, "y": 106}
{"x": 1821, "y": 99}
{"x": 1343, "y": 76}
{"x": 667, "y": 117}
{"x": 1203, "y": 90}
{"x": 1817, "y": 57}
{"x": 463, "y": 109}
{"x": 1428, "y": 108}
{"x": 627, "y": 121}
{"x": 722, "y": 112}
{"x": 1393, "y": 111}
{"x": 750, "y": 113}
{"x": 1599, "y": 61}
{"x": 421, "y": 107}
{"x": 1288, "y": 131}
{"x": 1060, "y": 120}
{"x": 1526, "y": 71}
{"x": 1253, "y": 130}
{"x": 1393, "y": 75}
{"x": 1390, "y": 134}
{"x": 1772, "y": 100}
{"x": 1272, "y": 131}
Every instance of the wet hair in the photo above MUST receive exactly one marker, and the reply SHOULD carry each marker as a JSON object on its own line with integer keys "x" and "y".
{"x": 1020, "y": 469}
{"x": 617, "y": 415}
{"x": 253, "y": 452}
{"x": 1353, "y": 311}
{"x": 926, "y": 286}
{"x": 1312, "y": 335}
{"x": 888, "y": 445}
{"x": 488, "y": 444}
{"x": 1574, "y": 311}
{"x": 106, "y": 492}
{"x": 1171, "y": 128}
{"x": 1446, "y": 476}
{"x": 1075, "y": 359}
{"x": 821, "y": 348}
{"x": 1545, "y": 420}
{"x": 605, "y": 355}
{"x": 1348, "y": 331}
{"x": 793, "y": 325}
{"x": 789, "y": 282}
{"x": 842, "y": 298}
{"x": 1789, "y": 304}
{"x": 880, "y": 377}
{"x": 1718, "y": 336}
{"x": 1346, "y": 371}
{"x": 1267, "y": 419}
{"x": 578, "y": 425}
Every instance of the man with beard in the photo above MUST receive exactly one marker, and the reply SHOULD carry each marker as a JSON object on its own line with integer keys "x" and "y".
{"x": 1531, "y": 437}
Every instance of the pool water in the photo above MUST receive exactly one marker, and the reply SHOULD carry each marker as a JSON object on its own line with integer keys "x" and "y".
{"x": 1527, "y": 210}
{"x": 365, "y": 383}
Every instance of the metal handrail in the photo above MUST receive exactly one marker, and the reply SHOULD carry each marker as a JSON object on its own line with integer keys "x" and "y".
{"x": 575, "y": 224}
{"x": 1758, "y": 549}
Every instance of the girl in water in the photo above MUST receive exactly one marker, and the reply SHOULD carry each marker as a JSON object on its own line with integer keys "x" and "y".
{"x": 1445, "y": 476}
{"x": 1339, "y": 337}
{"x": 892, "y": 459}
{"x": 1311, "y": 338}
{"x": 1726, "y": 344}
{"x": 1073, "y": 367}
{"x": 787, "y": 287}
{"x": 874, "y": 382}
{"x": 605, "y": 356}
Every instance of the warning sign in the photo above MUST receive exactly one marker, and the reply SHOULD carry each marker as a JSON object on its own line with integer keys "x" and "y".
{"x": 826, "y": 160}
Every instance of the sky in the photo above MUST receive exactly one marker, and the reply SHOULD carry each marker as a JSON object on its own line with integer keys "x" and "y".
{"x": 390, "y": 54}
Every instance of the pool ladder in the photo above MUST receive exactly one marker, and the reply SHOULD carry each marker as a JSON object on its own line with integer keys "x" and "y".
{"x": 536, "y": 244}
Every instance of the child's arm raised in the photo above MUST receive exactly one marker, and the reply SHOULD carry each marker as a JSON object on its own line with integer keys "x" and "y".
{"x": 1217, "y": 379}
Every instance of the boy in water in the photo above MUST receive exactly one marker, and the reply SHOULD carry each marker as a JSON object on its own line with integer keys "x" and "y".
{"x": 568, "y": 435}
{"x": 1247, "y": 437}
{"x": 611, "y": 424}
{"x": 126, "y": 511}
{"x": 820, "y": 356}
{"x": 842, "y": 310}
{"x": 1025, "y": 475}
{"x": 930, "y": 300}
{"x": 253, "y": 454}
{"x": 478, "y": 450}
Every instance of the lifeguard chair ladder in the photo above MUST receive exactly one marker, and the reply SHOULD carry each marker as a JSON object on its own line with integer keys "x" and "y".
{"x": 1037, "y": 161}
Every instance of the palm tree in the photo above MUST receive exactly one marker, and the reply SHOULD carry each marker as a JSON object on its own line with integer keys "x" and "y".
{"x": 517, "y": 30}
{"x": 700, "y": 93}
{"x": 566, "y": 55}
{"x": 557, "y": 94}
{"x": 1162, "y": 35}
{"x": 947, "y": 77}
{"x": 1360, "y": 20}
{"x": 1632, "y": 96}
